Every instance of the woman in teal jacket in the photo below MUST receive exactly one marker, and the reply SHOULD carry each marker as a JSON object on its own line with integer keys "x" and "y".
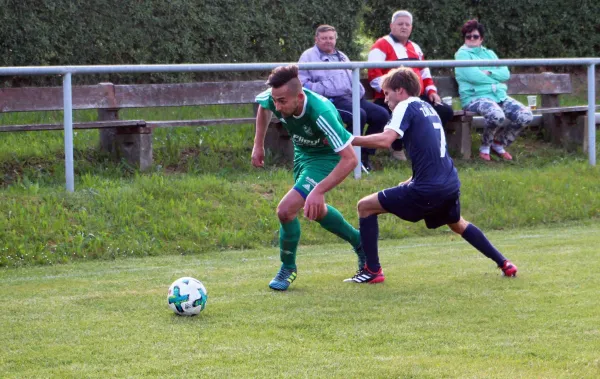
{"x": 482, "y": 90}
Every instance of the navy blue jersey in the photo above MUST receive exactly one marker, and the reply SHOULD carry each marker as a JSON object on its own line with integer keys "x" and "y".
{"x": 419, "y": 126}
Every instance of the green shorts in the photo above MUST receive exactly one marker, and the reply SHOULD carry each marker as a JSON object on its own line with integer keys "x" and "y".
{"x": 308, "y": 174}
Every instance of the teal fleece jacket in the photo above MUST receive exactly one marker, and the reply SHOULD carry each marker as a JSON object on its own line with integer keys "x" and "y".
{"x": 473, "y": 83}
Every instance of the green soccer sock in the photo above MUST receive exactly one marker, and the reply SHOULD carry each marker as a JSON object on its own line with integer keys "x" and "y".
{"x": 335, "y": 223}
{"x": 289, "y": 235}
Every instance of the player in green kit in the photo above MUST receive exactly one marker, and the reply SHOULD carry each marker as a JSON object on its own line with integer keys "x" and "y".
{"x": 323, "y": 158}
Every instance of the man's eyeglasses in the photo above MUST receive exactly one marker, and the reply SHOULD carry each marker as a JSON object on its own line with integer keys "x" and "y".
{"x": 472, "y": 36}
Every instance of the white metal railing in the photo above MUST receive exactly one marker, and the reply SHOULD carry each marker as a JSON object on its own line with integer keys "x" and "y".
{"x": 68, "y": 71}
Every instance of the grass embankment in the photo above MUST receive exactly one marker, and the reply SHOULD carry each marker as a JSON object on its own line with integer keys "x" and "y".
{"x": 204, "y": 195}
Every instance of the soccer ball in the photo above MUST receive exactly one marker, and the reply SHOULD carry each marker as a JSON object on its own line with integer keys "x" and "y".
{"x": 187, "y": 296}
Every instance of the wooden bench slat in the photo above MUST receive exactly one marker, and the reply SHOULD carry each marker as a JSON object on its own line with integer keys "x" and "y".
{"x": 461, "y": 112}
{"x": 519, "y": 84}
{"x": 184, "y": 94}
{"x": 30, "y": 99}
{"x": 76, "y": 125}
{"x": 174, "y": 123}
{"x": 578, "y": 108}
{"x": 108, "y": 96}
{"x": 545, "y": 84}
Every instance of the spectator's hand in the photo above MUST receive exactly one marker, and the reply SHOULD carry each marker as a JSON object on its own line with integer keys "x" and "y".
{"x": 435, "y": 98}
{"x": 314, "y": 205}
{"x": 258, "y": 156}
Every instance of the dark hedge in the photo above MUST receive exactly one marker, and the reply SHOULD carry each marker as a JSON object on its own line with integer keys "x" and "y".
{"x": 70, "y": 32}
{"x": 515, "y": 29}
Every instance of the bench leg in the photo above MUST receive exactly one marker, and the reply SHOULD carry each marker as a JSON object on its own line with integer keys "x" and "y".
{"x": 107, "y": 136}
{"x": 569, "y": 132}
{"x": 582, "y": 124}
{"x": 550, "y": 125}
{"x": 135, "y": 146}
{"x": 459, "y": 137}
{"x": 278, "y": 142}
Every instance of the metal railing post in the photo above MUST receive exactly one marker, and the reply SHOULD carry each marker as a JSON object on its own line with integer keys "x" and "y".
{"x": 591, "y": 114}
{"x": 68, "y": 125}
{"x": 356, "y": 117}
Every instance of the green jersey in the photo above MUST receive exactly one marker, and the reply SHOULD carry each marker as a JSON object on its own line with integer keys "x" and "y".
{"x": 317, "y": 132}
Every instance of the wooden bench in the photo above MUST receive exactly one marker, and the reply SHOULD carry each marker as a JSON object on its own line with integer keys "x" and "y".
{"x": 548, "y": 85}
{"x": 569, "y": 127}
{"x": 458, "y": 130}
{"x": 130, "y": 139}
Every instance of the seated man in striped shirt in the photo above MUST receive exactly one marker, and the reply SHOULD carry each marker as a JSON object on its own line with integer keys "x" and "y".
{"x": 397, "y": 47}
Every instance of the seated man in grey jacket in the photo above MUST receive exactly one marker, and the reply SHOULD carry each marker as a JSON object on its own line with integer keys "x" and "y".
{"x": 336, "y": 85}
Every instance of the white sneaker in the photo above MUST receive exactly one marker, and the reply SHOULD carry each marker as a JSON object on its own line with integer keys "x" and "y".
{"x": 498, "y": 148}
{"x": 399, "y": 155}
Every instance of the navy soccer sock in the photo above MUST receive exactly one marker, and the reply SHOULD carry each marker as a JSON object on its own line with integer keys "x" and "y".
{"x": 475, "y": 237}
{"x": 369, "y": 234}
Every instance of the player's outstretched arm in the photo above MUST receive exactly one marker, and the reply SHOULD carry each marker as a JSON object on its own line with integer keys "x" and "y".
{"x": 381, "y": 140}
{"x": 406, "y": 181}
{"x": 315, "y": 201}
{"x": 263, "y": 116}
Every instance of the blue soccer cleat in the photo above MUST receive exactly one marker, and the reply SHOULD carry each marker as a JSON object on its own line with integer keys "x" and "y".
{"x": 283, "y": 279}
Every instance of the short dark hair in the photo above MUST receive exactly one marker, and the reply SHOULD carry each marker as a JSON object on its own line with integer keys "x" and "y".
{"x": 402, "y": 77}
{"x": 325, "y": 28}
{"x": 471, "y": 25}
{"x": 281, "y": 75}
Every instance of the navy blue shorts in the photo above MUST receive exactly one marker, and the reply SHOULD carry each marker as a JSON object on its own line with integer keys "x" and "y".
{"x": 409, "y": 205}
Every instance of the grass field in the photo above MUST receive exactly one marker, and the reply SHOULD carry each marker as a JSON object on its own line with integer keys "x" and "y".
{"x": 84, "y": 276}
{"x": 444, "y": 311}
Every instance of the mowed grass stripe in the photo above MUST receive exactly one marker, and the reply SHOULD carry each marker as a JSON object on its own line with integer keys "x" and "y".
{"x": 444, "y": 311}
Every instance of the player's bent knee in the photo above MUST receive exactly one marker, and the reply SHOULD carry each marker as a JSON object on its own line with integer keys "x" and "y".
{"x": 495, "y": 122}
{"x": 365, "y": 207}
{"x": 285, "y": 214}
{"x": 459, "y": 227}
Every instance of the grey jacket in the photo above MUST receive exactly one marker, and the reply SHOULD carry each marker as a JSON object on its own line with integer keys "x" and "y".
{"x": 328, "y": 83}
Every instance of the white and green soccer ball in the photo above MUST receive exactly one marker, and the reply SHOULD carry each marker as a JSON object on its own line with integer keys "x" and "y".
{"x": 187, "y": 296}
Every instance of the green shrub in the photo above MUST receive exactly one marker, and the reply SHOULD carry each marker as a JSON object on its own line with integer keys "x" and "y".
{"x": 515, "y": 29}
{"x": 66, "y": 32}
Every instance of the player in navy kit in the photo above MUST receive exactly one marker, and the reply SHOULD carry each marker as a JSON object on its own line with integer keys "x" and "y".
{"x": 432, "y": 193}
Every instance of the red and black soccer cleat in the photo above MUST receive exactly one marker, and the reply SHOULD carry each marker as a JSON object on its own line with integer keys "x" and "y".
{"x": 508, "y": 269}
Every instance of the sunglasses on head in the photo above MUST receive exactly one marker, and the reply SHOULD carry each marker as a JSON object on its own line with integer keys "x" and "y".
{"x": 472, "y": 36}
